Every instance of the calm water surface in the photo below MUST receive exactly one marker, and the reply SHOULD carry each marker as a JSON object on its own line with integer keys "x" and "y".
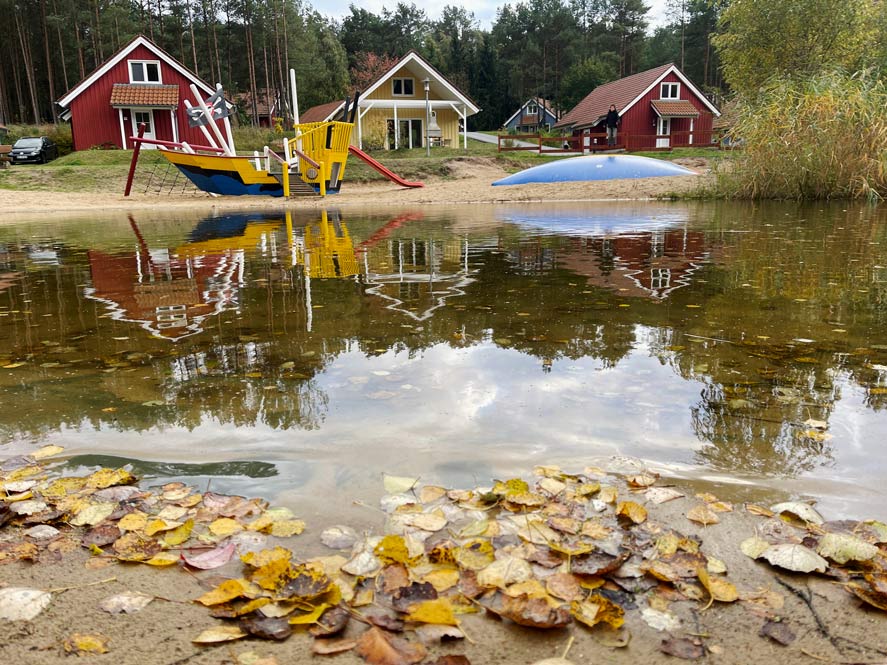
{"x": 741, "y": 348}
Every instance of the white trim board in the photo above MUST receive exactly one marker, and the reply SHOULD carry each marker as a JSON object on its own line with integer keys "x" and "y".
{"x": 141, "y": 40}
{"x": 690, "y": 86}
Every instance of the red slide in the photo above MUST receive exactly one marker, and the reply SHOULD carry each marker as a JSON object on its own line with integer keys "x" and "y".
{"x": 388, "y": 173}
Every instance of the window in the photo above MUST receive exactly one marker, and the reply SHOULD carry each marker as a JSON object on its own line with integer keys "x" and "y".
{"x": 660, "y": 278}
{"x": 670, "y": 91}
{"x": 532, "y": 108}
{"x": 144, "y": 71}
{"x": 402, "y": 87}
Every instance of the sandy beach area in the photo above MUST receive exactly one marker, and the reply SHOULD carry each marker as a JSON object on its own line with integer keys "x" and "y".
{"x": 470, "y": 181}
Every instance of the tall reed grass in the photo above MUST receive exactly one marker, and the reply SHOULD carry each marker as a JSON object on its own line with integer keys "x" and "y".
{"x": 817, "y": 138}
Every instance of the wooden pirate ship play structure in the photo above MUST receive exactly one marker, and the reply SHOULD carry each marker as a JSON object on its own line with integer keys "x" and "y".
{"x": 312, "y": 161}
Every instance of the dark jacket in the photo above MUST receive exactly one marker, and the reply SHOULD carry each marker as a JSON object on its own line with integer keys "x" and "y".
{"x": 612, "y": 119}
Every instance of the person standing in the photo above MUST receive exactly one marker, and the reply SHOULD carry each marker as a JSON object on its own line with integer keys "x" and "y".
{"x": 612, "y": 123}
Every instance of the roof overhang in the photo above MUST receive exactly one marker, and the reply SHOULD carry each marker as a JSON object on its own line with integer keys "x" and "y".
{"x": 677, "y": 72}
{"x": 70, "y": 96}
{"x": 429, "y": 72}
{"x": 666, "y": 108}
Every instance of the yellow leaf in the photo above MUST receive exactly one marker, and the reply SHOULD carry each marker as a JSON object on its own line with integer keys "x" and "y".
{"x": 287, "y": 528}
{"x": 597, "y": 609}
{"x": 442, "y": 579}
{"x": 219, "y": 634}
{"x": 156, "y": 526}
{"x": 225, "y": 526}
{"x": 58, "y": 489}
{"x": 163, "y": 559}
{"x": 310, "y": 617}
{"x": 475, "y": 554}
{"x": 93, "y": 514}
{"x": 109, "y": 477}
{"x": 718, "y": 589}
{"x": 259, "y": 559}
{"x": 96, "y": 550}
{"x": 179, "y": 535}
{"x": 702, "y": 515}
{"x": 83, "y": 644}
{"x": 511, "y": 487}
{"x": 273, "y": 575}
{"x": 633, "y": 511}
{"x": 227, "y": 590}
{"x": 133, "y": 522}
{"x": 393, "y": 549}
{"x": 433, "y": 611}
{"x": 607, "y": 494}
{"x": 47, "y": 451}
{"x": 398, "y": 484}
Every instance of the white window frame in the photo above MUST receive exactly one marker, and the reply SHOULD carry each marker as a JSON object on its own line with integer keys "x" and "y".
{"x": 403, "y": 94}
{"x": 667, "y": 85}
{"x": 143, "y": 63}
{"x": 532, "y": 109}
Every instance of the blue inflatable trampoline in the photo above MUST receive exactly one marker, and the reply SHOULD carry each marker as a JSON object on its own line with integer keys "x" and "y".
{"x": 595, "y": 167}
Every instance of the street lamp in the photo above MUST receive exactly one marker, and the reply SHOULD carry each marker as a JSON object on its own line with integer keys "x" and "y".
{"x": 427, "y": 83}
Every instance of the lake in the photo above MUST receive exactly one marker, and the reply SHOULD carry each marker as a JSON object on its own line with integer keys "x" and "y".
{"x": 738, "y": 348}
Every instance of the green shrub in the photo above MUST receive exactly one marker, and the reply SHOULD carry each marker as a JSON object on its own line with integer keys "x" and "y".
{"x": 816, "y": 138}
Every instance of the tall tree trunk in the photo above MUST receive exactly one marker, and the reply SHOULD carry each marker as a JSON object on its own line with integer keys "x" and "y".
{"x": 49, "y": 75}
{"x": 25, "y": 45}
{"x": 58, "y": 30}
{"x": 100, "y": 51}
{"x": 193, "y": 43}
{"x": 267, "y": 86}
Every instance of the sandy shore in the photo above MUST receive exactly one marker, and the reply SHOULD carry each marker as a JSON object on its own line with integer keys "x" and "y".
{"x": 470, "y": 181}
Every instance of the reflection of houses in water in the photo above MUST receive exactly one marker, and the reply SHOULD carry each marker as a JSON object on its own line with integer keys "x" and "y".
{"x": 651, "y": 264}
{"x": 169, "y": 292}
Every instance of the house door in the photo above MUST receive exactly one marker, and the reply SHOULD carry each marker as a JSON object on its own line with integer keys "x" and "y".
{"x": 663, "y": 127}
{"x": 410, "y": 133}
{"x": 146, "y": 117}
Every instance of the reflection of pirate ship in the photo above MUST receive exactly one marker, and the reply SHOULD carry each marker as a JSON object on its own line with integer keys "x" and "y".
{"x": 169, "y": 292}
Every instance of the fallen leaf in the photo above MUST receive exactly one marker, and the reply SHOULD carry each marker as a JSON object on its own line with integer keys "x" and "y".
{"x": 505, "y": 571}
{"x": 46, "y": 451}
{"x": 682, "y": 647}
{"x": 719, "y": 589}
{"x": 83, "y": 644}
{"x": 128, "y": 602}
{"x": 703, "y": 515}
{"x": 267, "y": 628}
{"x": 660, "y": 620}
{"x": 778, "y": 631}
{"x": 842, "y": 548}
{"x": 379, "y": 647}
{"x": 22, "y": 604}
{"x": 328, "y": 647}
{"x": 227, "y": 590}
{"x": 431, "y": 633}
{"x": 598, "y": 609}
{"x": 794, "y": 557}
{"x": 633, "y": 511}
{"x": 662, "y": 494}
{"x": 219, "y": 634}
{"x": 438, "y": 611}
{"x": 339, "y": 537}
{"x": 799, "y": 509}
{"x": 212, "y": 559}
{"x": 398, "y": 484}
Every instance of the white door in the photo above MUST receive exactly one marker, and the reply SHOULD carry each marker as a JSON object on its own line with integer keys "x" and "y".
{"x": 663, "y": 126}
{"x": 146, "y": 117}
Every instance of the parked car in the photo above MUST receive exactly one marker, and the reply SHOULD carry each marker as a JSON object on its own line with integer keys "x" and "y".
{"x": 33, "y": 149}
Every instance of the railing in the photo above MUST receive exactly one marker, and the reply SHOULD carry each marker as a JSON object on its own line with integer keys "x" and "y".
{"x": 284, "y": 170}
{"x": 598, "y": 142}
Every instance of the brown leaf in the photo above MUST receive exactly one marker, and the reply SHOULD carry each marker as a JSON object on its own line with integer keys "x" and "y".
{"x": 100, "y": 536}
{"x": 412, "y": 594}
{"x": 526, "y": 611}
{"x": 703, "y": 515}
{"x": 681, "y": 647}
{"x": 452, "y": 660}
{"x": 564, "y": 586}
{"x": 267, "y": 628}
{"x": 384, "y": 620}
{"x": 331, "y": 622}
{"x": 778, "y": 631}
{"x": 394, "y": 577}
{"x": 597, "y": 563}
{"x": 377, "y": 647}
{"x": 329, "y": 647}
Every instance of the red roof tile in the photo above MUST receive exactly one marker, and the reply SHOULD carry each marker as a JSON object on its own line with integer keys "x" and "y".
{"x": 675, "y": 108}
{"x": 621, "y": 93}
{"x": 154, "y": 96}
{"x": 320, "y": 112}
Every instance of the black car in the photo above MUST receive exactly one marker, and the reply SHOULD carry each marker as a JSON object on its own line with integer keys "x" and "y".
{"x": 33, "y": 149}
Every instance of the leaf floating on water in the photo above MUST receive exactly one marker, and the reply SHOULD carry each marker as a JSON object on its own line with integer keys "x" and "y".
{"x": 84, "y": 644}
{"x": 47, "y": 451}
{"x": 398, "y": 484}
{"x": 128, "y": 602}
{"x": 339, "y": 537}
{"x": 842, "y": 548}
{"x": 219, "y": 634}
{"x": 800, "y": 510}
{"x": 378, "y": 647}
{"x": 794, "y": 557}
{"x": 22, "y": 604}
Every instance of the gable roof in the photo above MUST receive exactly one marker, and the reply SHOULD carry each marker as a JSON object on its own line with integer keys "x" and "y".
{"x": 135, "y": 42}
{"x": 544, "y": 103}
{"x": 321, "y": 112}
{"x": 624, "y": 93}
{"x": 430, "y": 72}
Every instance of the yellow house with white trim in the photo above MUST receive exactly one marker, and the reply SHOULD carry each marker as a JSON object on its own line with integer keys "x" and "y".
{"x": 409, "y": 104}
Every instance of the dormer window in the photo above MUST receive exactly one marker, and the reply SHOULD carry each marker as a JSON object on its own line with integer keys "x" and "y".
{"x": 144, "y": 71}
{"x": 532, "y": 108}
{"x": 402, "y": 87}
{"x": 670, "y": 91}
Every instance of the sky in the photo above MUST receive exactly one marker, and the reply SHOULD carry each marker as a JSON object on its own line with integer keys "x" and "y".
{"x": 484, "y": 10}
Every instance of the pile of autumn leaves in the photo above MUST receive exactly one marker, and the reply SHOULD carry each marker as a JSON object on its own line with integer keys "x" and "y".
{"x": 567, "y": 549}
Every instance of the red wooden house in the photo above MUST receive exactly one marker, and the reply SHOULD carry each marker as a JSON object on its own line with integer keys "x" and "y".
{"x": 139, "y": 83}
{"x": 658, "y": 108}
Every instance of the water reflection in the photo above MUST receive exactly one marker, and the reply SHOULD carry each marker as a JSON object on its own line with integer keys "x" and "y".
{"x": 747, "y": 341}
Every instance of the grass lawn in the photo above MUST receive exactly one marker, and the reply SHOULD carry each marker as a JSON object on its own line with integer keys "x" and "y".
{"x": 106, "y": 170}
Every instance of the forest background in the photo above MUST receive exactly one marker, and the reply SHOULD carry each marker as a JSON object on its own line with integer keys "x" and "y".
{"x": 556, "y": 49}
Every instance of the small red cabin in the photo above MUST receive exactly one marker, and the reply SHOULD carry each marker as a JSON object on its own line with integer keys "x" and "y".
{"x": 141, "y": 83}
{"x": 658, "y": 108}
